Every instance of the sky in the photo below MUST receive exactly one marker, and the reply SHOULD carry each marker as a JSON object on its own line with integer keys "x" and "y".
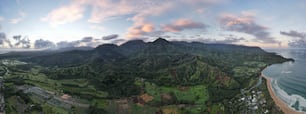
{"x": 29, "y": 24}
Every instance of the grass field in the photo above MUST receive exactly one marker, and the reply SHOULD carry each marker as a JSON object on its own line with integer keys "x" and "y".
{"x": 191, "y": 94}
{"x": 170, "y": 100}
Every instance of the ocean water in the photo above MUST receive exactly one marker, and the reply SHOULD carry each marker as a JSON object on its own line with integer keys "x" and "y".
{"x": 289, "y": 79}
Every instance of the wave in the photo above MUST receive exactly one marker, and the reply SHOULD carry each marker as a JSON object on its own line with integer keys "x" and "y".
{"x": 286, "y": 72}
{"x": 295, "y": 100}
{"x": 293, "y": 83}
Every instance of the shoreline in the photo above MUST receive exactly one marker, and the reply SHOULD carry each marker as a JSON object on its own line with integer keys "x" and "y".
{"x": 280, "y": 103}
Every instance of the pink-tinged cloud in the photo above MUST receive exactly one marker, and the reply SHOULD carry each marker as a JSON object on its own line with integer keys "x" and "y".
{"x": 102, "y": 10}
{"x": 140, "y": 30}
{"x": 65, "y": 14}
{"x": 141, "y": 26}
{"x": 245, "y": 23}
{"x": 204, "y": 2}
{"x": 231, "y": 19}
{"x": 141, "y": 11}
{"x": 183, "y": 24}
{"x": 147, "y": 27}
{"x": 105, "y": 9}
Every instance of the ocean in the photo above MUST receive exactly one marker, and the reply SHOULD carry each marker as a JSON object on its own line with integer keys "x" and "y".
{"x": 289, "y": 79}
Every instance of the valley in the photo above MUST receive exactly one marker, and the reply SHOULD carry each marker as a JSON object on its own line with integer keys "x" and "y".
{"x": 159, "y": 77}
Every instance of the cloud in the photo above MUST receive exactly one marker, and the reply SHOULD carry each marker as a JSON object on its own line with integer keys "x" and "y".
{"x": 299, "y": 40}
{"x": 65, "y": 14}
{"x": 293, "y": 33}
{"x": 22, "y": 42}
{"x": 139, "y": 12}
{"x": 141, "y": 26}
{"x": 86, "y": 41}
{"x": 108, "y": 9}
{"x": 43, "y": 44}
{"x": 2, "y": 37}
{"x": 101, "y": 10}
{"x": 17, "y": 37}
{"x": 105, "y": 9}
{"x": 245, "y": 23}
{"x": 4, "y": 41}
{"x": 140, "y": 30}
{"x": 204, "y": 2}
{"x": 110, "y": 37}
{"x": 65, "y": 44}
{"x": 1, "y": 19}
{"x": 300, "y": 43}
{"x": 117, "y": 41}
{"x": 158, "y": 8}
{"x": 183, "y": 24}
{"x": 147, "y": 28}
{"x": 96, "y": 27}
{"x": 21, "y": 17}
{"x": 230, "y": 39}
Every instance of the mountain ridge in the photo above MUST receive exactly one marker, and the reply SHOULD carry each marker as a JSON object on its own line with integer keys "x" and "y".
{"x": 163, "y": 70}
{"x": 159, "y": 46}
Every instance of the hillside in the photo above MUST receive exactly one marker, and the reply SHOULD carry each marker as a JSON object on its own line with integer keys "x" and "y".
{"x": 172, "y": 73}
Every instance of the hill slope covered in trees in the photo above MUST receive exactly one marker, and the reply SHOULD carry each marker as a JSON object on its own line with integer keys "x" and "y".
{"x": 171, "y": 72}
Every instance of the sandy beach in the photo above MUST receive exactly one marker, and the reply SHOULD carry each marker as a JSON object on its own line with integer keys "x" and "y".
{"x": 281, "y": 104}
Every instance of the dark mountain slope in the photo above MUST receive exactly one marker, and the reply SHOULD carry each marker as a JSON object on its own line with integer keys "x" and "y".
{"x": 188, "y": 77}
{"x": 110, "y": 67}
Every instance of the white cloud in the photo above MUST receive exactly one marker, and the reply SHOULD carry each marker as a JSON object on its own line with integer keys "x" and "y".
{"x": 21, "y": 17}
{"x": 102, "y": 10}
{"x": 86, "y": 41}
{"x": 203, "y": 2}
{"x": 141, "y": 26}
{"x": 246, "y": 23}
{"x": 137, "y": 31}
{"x": 105, "y": 9}
{"x": 97, "y": 27}
{"x": 140, "y": 19}
{"x": 1, "y": 19}
{"x": 183, "y": 24}
{"x": 65, "y": 14}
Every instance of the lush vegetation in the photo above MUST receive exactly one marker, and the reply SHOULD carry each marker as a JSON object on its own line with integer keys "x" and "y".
{"x": 135, "y": 77}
